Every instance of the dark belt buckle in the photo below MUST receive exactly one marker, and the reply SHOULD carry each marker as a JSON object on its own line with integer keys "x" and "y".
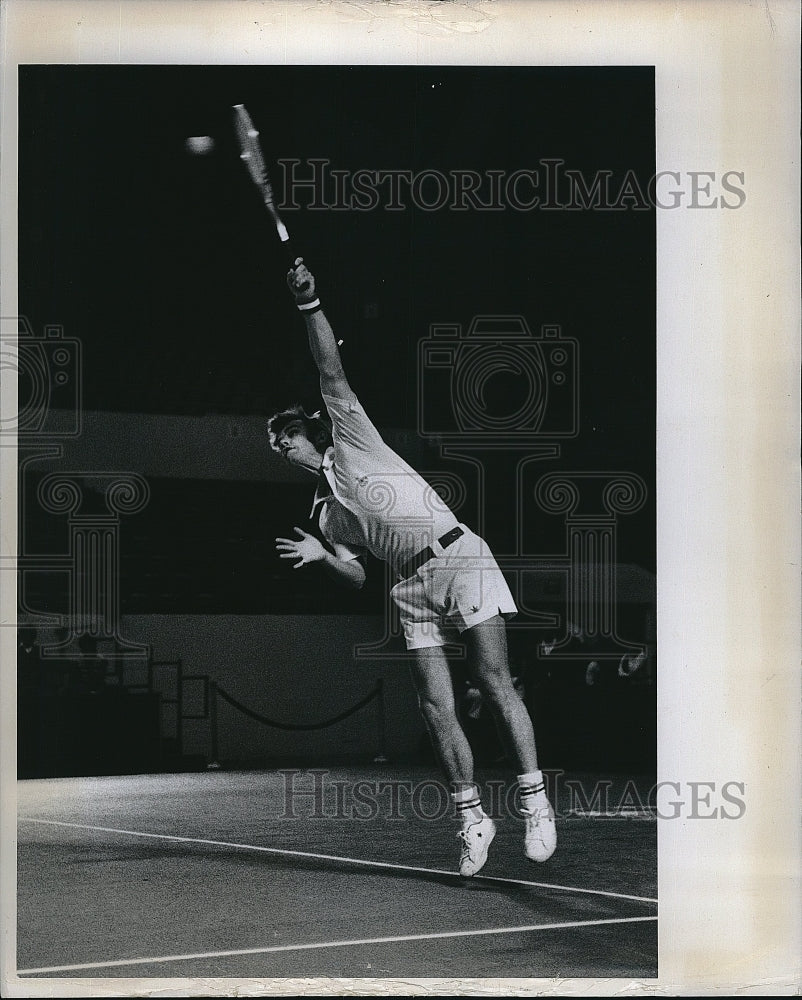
{"x": 426, "y": 554}
{"x": 450, "y": 536}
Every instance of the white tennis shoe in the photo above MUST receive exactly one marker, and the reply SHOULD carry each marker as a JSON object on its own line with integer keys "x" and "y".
{"x": 540, "y": 837}
{"x": 476, "y": 840}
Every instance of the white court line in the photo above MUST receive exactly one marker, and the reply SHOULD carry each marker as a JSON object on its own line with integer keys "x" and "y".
{"x": 623, "y": 814}
{"x": 526, "y": 928}
{"x": 337, "y": 857}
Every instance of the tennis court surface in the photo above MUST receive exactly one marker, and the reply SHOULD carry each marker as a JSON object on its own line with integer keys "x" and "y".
{"x": 255, "y": 874}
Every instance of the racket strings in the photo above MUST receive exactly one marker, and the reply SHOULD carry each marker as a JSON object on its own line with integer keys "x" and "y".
{"x": 251, "y": 151}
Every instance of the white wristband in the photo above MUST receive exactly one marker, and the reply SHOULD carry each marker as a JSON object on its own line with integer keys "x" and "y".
{"x": 312, "y": 306}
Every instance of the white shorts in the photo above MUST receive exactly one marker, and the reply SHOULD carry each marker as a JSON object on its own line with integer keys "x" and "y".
{"x": 451, "y": 593}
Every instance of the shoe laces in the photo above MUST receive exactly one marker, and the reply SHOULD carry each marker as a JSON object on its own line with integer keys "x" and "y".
{"x": 542, "y": 812}
{"x": 466, "y": 837}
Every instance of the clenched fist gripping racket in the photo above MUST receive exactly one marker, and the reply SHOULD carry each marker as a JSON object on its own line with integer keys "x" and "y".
{"x": 251, "y": 156}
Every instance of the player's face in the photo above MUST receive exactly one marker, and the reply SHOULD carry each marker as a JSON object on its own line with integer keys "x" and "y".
{"x": 296, "y": 447}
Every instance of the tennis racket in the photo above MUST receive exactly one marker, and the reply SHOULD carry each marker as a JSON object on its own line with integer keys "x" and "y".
{"x": 251, "y": 156}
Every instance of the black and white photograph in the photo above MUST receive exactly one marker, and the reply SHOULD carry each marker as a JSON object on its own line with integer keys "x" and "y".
{"x": 353, "y": 457}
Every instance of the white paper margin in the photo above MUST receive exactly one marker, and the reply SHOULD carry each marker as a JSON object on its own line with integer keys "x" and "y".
{"x": 727, "y": 83}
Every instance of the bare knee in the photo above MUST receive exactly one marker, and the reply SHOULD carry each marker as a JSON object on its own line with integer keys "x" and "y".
{"x": 498, "y": 690}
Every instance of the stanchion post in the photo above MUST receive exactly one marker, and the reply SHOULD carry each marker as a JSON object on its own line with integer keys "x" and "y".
{"x": 214, "y": 763}
{"x": 381, "y": 756}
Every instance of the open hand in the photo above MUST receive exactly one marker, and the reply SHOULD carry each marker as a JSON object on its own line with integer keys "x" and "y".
{"x": 306, "y": 549}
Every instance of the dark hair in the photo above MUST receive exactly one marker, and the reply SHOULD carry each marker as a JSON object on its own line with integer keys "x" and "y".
{"x": 317, "y": 427}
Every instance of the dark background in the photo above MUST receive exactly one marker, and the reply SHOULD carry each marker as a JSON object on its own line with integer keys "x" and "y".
{"x": 167, "y": 269}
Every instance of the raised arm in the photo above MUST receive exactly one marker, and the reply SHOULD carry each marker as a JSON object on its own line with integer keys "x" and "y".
{"x": 322, "y": 342}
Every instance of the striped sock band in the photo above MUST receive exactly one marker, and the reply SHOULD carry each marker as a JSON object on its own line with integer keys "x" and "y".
{"x": 467, "y": 805}
{"x": 532, "y": 790}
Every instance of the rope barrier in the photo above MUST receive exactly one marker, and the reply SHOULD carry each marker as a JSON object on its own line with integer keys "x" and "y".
{"x": 299, "y": 727}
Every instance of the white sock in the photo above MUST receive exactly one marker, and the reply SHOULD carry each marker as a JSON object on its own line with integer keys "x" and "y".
{"x": 468, "y": 805}
{"x": 532, "y": 789}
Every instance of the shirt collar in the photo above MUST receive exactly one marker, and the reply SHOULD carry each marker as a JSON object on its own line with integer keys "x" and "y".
{"x": 324, "y": 487}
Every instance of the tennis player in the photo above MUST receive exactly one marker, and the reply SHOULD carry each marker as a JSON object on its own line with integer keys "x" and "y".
{"x": 449, "y": 585}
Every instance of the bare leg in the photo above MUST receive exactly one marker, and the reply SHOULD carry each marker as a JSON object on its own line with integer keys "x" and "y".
{"x": 432, "y": 678}
{"x": 487, "y": 650}
{"x": 487, "y": 646}
{"x": 436, "y": 699}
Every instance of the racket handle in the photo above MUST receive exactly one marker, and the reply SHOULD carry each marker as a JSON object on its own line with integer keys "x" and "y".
{"x": 292, "y": 256}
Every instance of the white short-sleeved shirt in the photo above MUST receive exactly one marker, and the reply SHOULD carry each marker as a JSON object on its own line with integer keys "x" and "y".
{"x": 379, "y": 503}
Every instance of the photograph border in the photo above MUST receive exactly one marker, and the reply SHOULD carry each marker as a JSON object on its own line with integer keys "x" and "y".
{"x": 727, "y": 84}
